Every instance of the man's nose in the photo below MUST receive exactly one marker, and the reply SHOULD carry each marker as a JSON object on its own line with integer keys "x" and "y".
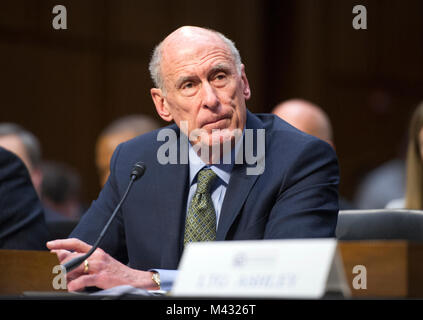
{"x": 210, "y": 98}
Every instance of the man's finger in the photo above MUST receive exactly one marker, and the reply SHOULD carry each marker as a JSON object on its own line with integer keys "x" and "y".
{"x": 69, "y": 244}
{"x": 79, "y": 270}
{"x": 61, "y": 254}
{"x": 89, "y": 280}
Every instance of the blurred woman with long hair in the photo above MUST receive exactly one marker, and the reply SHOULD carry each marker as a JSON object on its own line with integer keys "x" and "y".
{"x": 414, "y": 183}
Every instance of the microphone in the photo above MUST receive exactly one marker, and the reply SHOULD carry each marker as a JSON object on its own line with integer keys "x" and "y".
{"x": 137, "y": 171}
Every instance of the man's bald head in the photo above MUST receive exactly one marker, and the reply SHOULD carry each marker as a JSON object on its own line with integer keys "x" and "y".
{"x": 181, "y": 38}
{"x": 306, "y": 117}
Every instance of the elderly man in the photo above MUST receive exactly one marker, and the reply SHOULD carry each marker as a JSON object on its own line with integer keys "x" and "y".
{"x": 201, "y": 85}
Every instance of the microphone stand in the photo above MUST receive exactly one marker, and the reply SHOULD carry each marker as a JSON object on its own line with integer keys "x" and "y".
{"x": 137, "y": 172}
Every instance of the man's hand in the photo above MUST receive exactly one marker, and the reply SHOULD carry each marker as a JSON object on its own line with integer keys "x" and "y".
{"x": 103, "y": 270}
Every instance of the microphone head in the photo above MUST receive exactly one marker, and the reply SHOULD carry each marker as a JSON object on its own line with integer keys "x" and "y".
{"x": 138, "y": 170}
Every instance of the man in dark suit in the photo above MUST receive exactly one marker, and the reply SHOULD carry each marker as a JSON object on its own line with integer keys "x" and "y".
{"x": 22, "y": 224}
{"x": 291, "y": 191}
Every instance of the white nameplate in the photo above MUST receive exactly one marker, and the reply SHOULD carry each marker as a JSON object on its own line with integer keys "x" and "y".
{"x": 265, "y": 268}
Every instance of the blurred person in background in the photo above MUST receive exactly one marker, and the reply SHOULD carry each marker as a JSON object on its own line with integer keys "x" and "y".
{"x": 313, "y": 120}
{"x": 26, "y": 146}
{"x": 22, "y": 222}
{"x": 61, "y": 191}
{"x": 120, "y": 130}
{"x": 381, "y": 185}
{"x": 413, "y": 199}
{"x": 307, "y": 117}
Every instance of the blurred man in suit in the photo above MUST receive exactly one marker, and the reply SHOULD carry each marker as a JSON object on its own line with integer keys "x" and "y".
{"x": 309, "y": 118}
{"x": 26, "y": 146}
{"x": 201, "y": 85}
{"x": 22, "y": 224}
{"x": 61, "y": 192}
{"x": 120, "y": 130}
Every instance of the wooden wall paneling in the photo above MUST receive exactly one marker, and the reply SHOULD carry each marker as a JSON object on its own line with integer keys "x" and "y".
{"x": 55, "y": 82}
{"x": 368, "y": 81}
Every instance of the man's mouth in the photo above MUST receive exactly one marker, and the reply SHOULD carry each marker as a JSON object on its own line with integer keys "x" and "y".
{"x": 217, "y": 123}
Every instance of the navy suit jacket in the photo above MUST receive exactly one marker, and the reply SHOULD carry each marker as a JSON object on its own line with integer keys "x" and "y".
{"x": 22, "y": 224}
{"x": 295, "y": 197}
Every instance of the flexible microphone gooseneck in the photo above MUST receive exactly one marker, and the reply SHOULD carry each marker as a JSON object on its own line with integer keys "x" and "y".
{"x": 137, "y": 171}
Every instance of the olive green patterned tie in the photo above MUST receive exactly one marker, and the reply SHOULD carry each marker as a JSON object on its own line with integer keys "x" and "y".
{"x": 200, "y": 223}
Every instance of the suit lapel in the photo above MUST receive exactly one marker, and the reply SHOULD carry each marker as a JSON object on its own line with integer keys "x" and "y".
{"x": 239, "y": 186}
{"x": 172, "y": 191}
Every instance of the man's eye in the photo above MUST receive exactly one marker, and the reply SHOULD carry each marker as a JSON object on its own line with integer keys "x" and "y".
{"x": 220, "y": 79}
{"x": 187, "y": 85}
{"x": 189, "y": 88}
{"x": 220, "y": 76}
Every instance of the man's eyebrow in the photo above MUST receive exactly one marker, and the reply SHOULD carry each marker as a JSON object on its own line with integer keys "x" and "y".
{"x": 220, "y": 67}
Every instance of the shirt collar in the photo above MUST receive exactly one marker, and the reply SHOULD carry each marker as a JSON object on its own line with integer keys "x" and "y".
{"x": 223, "y": 171}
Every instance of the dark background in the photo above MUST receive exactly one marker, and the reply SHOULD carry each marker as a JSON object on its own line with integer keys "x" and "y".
{"x": 67, "y": 85}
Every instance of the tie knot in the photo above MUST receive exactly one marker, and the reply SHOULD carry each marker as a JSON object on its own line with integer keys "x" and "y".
{"x": 204, "y": 180}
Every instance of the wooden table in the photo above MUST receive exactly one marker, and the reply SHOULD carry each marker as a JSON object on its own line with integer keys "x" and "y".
{"x": 394, "y": 268}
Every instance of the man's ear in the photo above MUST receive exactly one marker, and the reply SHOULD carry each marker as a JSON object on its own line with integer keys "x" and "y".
{"x": 246, "y": 86}
{"x": 161, "y": 105}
